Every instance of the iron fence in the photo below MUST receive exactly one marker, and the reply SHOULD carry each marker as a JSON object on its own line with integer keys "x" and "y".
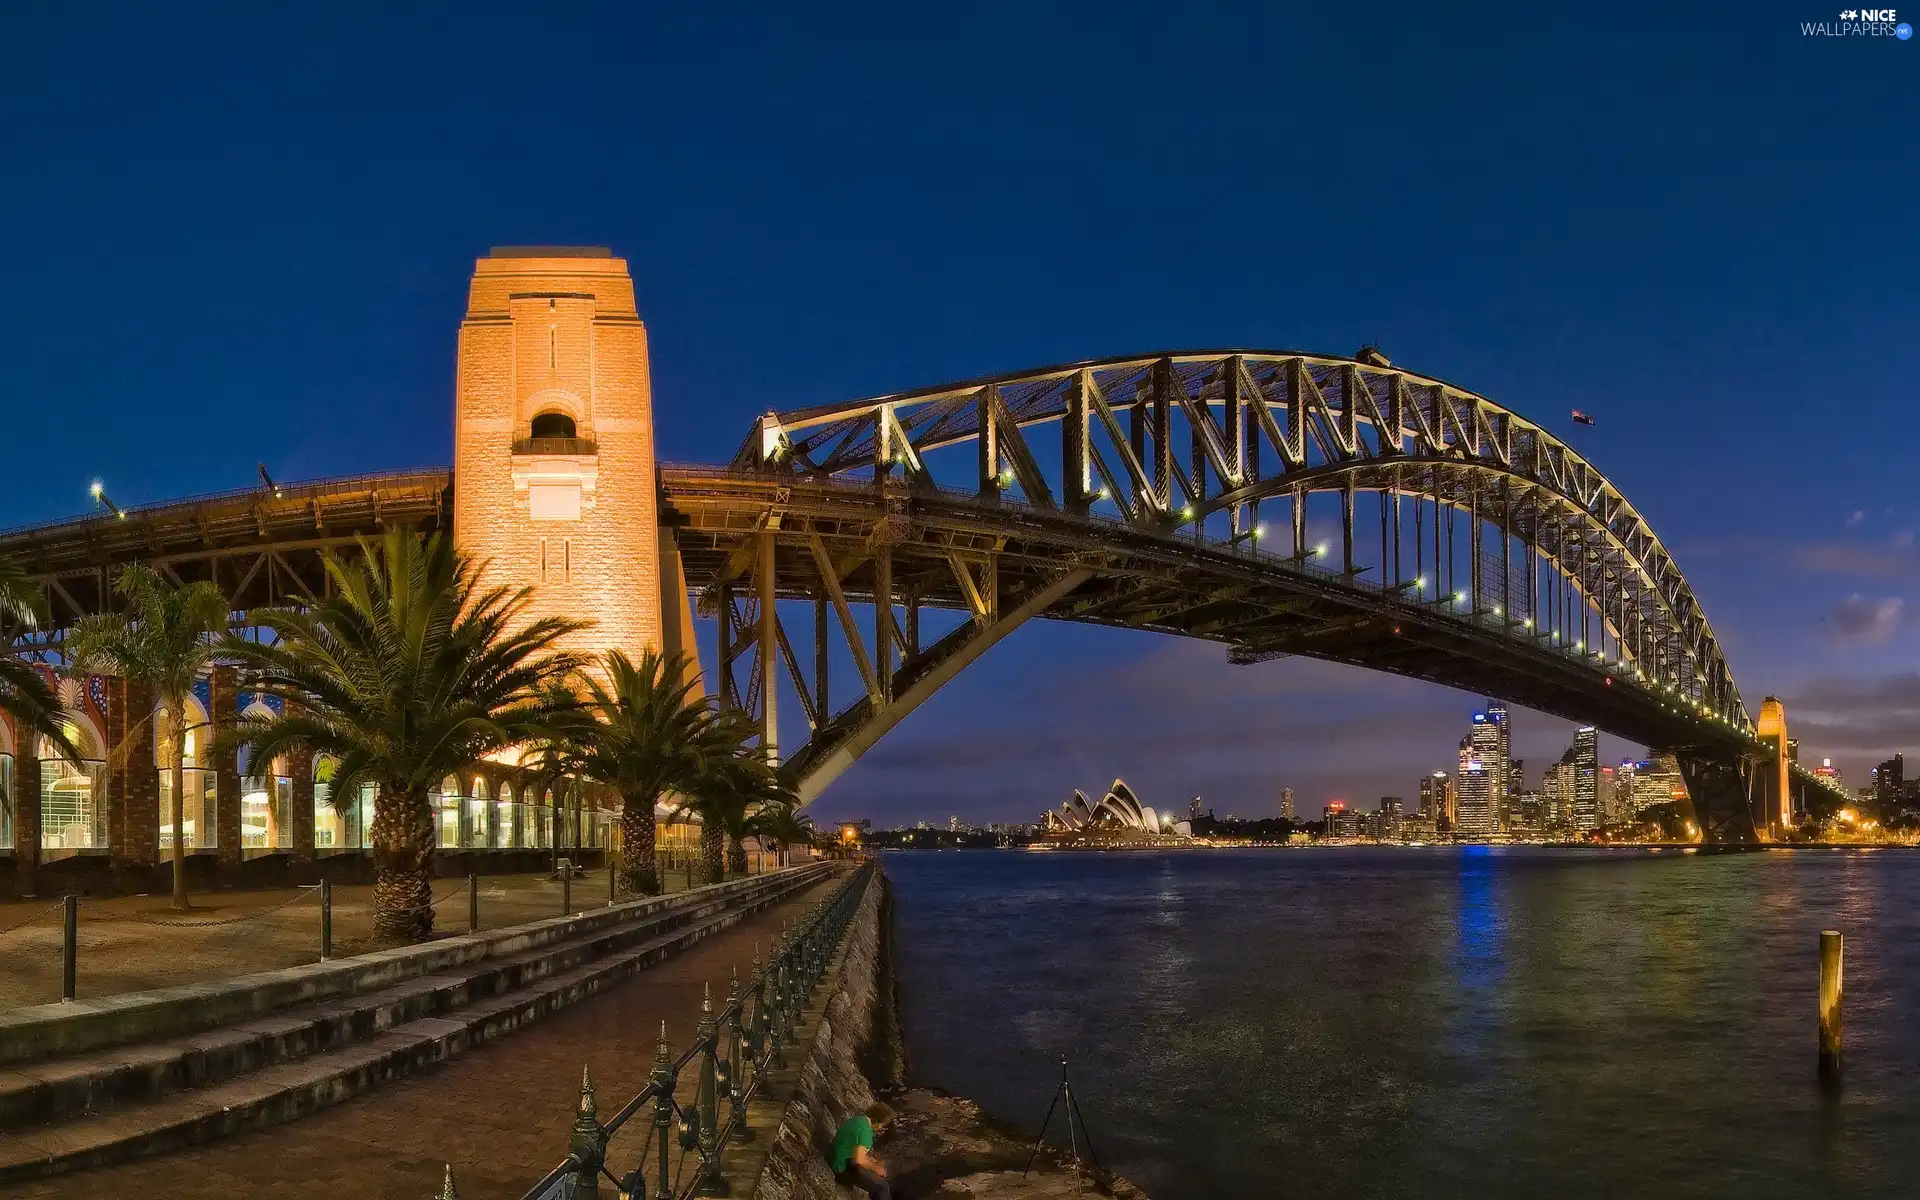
{"x": 684, "y": 1145}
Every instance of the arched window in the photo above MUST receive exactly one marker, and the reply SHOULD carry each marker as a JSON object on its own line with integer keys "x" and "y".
{"x": 553, "y": 425}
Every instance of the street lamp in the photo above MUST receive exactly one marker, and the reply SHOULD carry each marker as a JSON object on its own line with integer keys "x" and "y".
{"x": 100, "y": 496}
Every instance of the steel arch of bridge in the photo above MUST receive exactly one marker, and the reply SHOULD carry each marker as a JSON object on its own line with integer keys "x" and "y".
{"x": 1193, "y": 443}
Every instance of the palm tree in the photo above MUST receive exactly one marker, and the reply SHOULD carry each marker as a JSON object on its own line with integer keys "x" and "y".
{"x": 731, "y": 795}
{"x": 163, "y": 640}
{"x": 25, "y": 695}
{"x": 407, "y": 672}
{"x": 786, "y": 827}
{"x": 647, "y": 736}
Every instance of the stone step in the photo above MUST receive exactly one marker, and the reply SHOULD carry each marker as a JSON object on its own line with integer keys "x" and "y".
{"x": 285, "y": 1091}
{"x": 37, "y": 1033}
{"x": 55, "y": 1090}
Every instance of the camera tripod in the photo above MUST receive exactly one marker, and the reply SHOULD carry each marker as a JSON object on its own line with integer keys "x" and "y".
{"x": 1076, "y": 1124}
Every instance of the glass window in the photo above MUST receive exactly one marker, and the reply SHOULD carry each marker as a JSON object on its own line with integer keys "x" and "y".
{"x": 447, "y": 812}
{"x": 73, "y": 810}
{"x": 266, "y": 804}
{"x": 6, "y": 801}
{"x": 197, "y": 814}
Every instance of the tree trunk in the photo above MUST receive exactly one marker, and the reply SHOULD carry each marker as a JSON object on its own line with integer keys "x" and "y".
{"x": 177, "y": 719}
{"x": 638, "y": 871}
{"x": 713, "y": 845}
{"x": 403, "y": 846}
{"x": 736, "y": 856}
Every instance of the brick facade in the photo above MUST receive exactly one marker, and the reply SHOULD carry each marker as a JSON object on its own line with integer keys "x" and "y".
{"x": 133, "y": 778}
{"x": 222, "y": 713}
{"x": 26, "y": 813}
{"x": 555, "y": 331}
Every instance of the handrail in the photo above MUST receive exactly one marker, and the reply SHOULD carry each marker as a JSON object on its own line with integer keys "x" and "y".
{"x": 734, "y": 1049}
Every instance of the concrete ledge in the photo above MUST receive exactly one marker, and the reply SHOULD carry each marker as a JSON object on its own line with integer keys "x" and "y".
{"x": 49, "y": 1030}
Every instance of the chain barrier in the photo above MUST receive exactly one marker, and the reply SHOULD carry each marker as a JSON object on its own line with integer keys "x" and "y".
{"x": 54, "y": 907}
{"x": 107, "y": 915}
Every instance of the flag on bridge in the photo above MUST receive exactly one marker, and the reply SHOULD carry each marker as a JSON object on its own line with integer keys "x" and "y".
{"x": 1580, "y": 418}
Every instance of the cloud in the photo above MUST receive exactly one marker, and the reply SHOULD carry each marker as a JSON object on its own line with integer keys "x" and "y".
{"x": 1876, "y": 715}
{"x": 1858, "y": 620}
{"x": 1903, "y": 538}
{"x": 1858, "y": 518}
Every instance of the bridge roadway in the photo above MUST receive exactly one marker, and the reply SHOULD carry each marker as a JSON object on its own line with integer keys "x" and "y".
{"x": 499, "y": 1114}
{"x": 995, "y": 562}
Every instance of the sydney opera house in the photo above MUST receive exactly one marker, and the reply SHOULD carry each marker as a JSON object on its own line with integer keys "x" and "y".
{"x": 1118, "y": 818}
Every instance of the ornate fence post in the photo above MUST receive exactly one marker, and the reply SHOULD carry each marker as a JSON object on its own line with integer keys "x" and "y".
{"x": 776, "y": 1015}
{"x": 736, "y": 1069}
{"x": 589, "y": 1143}
{"x": 447, "y": 1191}
{"x": 707, "y": 1104}
{"x": 663, "y": 1113}
{"x": 757, "y": 1026}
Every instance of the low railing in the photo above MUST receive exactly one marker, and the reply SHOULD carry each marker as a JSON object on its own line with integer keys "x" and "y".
{"x": 555, "y": 445}
{"x": 732, "y": 1052}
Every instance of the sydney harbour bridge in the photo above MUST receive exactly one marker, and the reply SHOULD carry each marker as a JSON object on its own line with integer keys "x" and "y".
{"x": 1278, "y": 503}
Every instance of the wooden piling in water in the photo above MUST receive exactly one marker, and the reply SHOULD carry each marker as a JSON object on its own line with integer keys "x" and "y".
{"x": 1832, "y": 1022}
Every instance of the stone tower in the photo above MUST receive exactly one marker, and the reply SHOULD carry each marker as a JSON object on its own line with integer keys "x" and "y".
{"x": 553, "y": 441}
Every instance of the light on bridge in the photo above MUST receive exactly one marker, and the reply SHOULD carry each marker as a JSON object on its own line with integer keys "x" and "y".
{"x": 1320, "y": 550}
{"x": 1259, "y": 531}
{"x": 1103, "y": 494}
{"x": 1186, "y": 514}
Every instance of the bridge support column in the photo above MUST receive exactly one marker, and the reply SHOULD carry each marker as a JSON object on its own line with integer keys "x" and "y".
{"x": 768, "y": 648}
{"x": 1724, "y": 803}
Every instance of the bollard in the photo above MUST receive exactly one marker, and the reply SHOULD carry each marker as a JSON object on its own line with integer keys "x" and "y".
{"x": 326, "y": 919}
{"x": 566, "y": 887}
{"x": 612, "y": 880}
{"x": 70, "y": 948}
{"x": 473, "y": 903}
{"x": 1832, "y": 1028}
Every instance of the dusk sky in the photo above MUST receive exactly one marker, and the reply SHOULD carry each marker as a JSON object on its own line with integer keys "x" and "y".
{"x": 244, "y": 235}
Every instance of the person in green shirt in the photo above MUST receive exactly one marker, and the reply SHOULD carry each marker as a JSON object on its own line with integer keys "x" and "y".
{"x": 852, "y": 1157}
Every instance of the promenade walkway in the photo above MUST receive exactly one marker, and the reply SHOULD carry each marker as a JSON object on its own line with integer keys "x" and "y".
{"x": 499, "y": 1114}
{"x": 134, "y": 943}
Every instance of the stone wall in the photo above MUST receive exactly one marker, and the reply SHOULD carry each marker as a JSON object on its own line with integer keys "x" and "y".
{"x": 855, "y": 1051}
{"x": 940, "y": 1147}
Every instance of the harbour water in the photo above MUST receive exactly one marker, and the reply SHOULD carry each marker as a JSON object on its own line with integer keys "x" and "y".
{"x": 1446, "y": 1022}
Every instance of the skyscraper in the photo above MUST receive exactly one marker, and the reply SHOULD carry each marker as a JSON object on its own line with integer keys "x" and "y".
{"x": 1286, "y": 804}
{"x": 1437, "y": 800}
{"x": 1484, "y": 772}
{"x": 1586, "y": 779}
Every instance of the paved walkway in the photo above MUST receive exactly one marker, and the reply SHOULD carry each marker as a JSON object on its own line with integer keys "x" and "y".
{"x": 499, "y": 1114}
{"x": 133, "y": 943}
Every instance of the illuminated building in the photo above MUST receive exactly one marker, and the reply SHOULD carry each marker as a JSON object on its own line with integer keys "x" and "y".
{"x": 1119, "y": 811}
{"x": 1437, "y": 800}
{"x": 1286, "y": 804}
{"x": 1586, "y": 778}
{"x": 1484, "y": 772}
{"x": 1556, "y": 793}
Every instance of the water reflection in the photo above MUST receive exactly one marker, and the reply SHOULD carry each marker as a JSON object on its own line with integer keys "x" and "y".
{"x": 1383, "y": 1023}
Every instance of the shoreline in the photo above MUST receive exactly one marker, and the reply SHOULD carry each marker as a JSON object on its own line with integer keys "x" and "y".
{"x": 942, "y": 1146}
